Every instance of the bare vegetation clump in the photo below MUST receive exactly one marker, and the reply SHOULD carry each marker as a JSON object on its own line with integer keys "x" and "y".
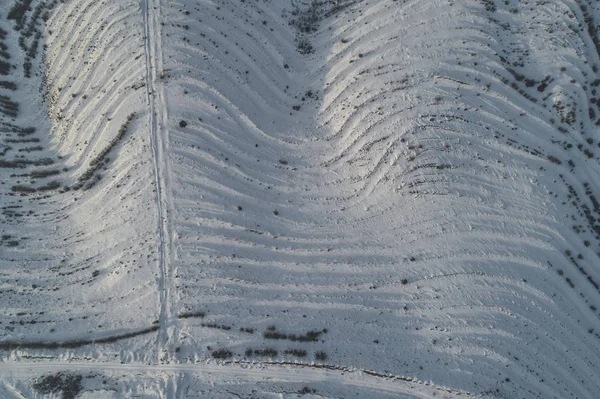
{"x": 305, "y": 47}
{"x": 554, "y": 160}
{"x": 8, "y": 85}
{"x": 69, "y": 385}
{"x": 307, "y": 390}
{"x": 489, "y": 5}
{"x": 222, "y": 354}
{"x": 53, "y": 185}
{"x": 18, "y": 10}
{"x": 296, "y": 352}
{"x": 12, "y": 164}
{"x": 320, "y": 355}
{"x": 268, "y": 352}
{"x": 217, "y": 326}
{"x": 8, "y": 107}
{"x": 28, "y": 22}
{"x": 37, "y": 174}
{"x": 4, "y": 68}
{"x": 309, "y": 336}
{"x": 23, "y": 189}
{"x": 307, "y": 21}
{"x": 189, "y": 315}
{"x": 100, "y": 159}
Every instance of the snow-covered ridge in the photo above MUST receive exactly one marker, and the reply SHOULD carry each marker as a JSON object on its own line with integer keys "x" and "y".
{"x": 77, "y": 255}
{"x": 401, "y": 187}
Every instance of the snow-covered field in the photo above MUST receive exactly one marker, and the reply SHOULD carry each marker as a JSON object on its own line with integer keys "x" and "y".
{"x": 297, "y": 198}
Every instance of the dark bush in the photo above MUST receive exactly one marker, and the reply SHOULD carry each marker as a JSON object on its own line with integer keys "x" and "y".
{"x": 305, "y": 47}
{"x": 222, "y": 354}
{"x": 22, "y": 189}
{"x": 188, "y": 315}
{"x": 320, "y": 355}
{"x": 8, "y": 85}
{"x": 554, "y": 160}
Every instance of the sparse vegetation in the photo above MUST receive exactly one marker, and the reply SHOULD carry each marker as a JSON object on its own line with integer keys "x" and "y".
{"x": 69, "y": 385}
{"x": 310, "y": 336}
{"x": 18, "y": 10}
{"x": 99, "y": 160}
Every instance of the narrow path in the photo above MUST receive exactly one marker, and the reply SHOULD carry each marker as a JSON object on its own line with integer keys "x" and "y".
{"x": 159, "y": 136}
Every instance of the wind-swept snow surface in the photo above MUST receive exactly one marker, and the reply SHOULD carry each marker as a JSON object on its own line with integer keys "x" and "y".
{"x": 276, "y": 198}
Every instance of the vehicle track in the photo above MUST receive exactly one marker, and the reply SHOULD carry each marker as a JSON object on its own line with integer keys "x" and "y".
{"x": 159, "y": 145}
{"x": 274, "y": 371}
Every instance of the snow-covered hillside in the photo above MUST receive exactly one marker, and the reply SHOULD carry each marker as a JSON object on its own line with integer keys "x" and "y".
{"x": 279, "y": 198}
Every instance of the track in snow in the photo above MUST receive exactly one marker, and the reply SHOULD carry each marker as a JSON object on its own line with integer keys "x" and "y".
{"x": 216, "y": 374}
{"x": 159, "y": 138}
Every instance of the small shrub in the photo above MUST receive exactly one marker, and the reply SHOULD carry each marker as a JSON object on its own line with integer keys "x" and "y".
{"x": 554, "y": 160}
{"x": 222, "y": 354}
{"x": 320, "y": 355}
{"x": 305, "y": 47}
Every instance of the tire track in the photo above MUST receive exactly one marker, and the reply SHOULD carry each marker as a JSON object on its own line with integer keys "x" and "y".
{"x": 158, "y": 139}
{"x": 283, "y": 372}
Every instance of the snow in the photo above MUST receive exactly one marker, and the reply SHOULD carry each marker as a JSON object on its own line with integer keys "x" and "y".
{"x": 407, "y": 210}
